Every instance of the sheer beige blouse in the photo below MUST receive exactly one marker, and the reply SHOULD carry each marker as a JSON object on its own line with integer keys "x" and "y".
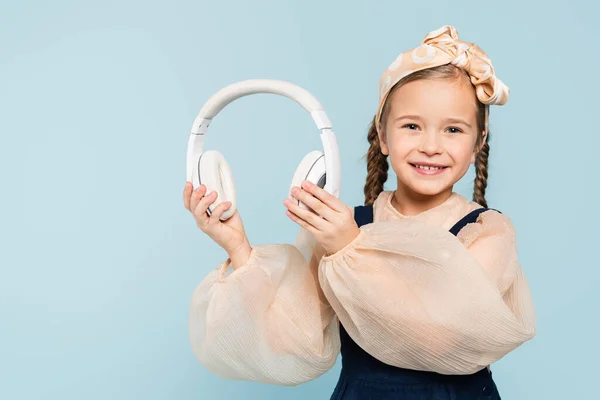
{"x": 407, "y": 291}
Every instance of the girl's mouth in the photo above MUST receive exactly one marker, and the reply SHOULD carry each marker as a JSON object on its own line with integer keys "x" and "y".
{"x": 428, "y": 169}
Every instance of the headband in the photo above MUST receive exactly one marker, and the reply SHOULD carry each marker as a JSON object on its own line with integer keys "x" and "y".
{"x": 441, "y": 47}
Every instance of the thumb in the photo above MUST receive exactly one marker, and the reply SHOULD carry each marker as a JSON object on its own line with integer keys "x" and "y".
{"x": 219, "y": 210}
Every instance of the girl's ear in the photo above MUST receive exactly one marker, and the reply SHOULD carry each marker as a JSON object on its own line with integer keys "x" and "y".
{"x": 478, "y": 148}
{"x": 382, "y": 143}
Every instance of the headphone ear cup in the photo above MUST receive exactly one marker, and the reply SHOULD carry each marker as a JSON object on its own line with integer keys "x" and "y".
{"x": 215, "y": 173}
{"x": 312, "y": 169}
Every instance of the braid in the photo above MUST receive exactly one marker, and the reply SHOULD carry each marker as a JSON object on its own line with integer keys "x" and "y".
{"x": 481, "y": 173}
{"x": 377, "y": 167}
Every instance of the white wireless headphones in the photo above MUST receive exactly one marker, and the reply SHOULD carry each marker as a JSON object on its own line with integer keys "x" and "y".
{"x": 211, "y": 169}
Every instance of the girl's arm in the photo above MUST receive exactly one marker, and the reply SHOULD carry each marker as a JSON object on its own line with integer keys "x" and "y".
{"x": 268, "y": 320}
{"x": 416, "y": 296}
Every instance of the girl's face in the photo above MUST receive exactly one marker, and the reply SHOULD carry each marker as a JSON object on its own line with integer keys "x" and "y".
{"x": 430, "y": 135}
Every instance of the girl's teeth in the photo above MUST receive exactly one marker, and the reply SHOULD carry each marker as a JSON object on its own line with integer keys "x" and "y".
{"x": 428, "y": 168}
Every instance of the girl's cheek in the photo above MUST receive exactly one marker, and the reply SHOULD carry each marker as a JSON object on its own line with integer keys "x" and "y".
{"x": 460, "y": 150}
{"x": 403, "y": 141}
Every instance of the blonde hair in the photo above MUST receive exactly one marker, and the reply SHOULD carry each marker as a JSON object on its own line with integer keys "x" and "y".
{"x": 377, "y": 163}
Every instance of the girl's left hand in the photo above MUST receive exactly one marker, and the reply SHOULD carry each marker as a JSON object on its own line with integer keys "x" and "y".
{"x": 331, "y": 223}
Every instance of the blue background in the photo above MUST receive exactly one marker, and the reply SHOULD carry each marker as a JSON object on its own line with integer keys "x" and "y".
{"x": 99, "y": 258}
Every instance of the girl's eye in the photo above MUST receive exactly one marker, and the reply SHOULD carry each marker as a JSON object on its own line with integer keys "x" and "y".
{"x": 411, "y": 126}
{"x": 454, "y": 129}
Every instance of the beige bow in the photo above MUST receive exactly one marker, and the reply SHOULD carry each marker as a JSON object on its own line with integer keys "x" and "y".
{"x": 441, "y": 47}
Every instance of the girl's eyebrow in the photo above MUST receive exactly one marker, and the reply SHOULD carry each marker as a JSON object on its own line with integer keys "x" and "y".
{"x": 451, "y": 120}
{"x": 406, "y": 117}
{"x": 459, "y": 121}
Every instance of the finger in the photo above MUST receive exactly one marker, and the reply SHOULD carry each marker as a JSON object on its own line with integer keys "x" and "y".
{"x": 317, "y": 205}
{"x": 187, "y": 193}
{"x": 200, "y": 212}
{"x": 197, "y": 196}
{"x": 306, "y": 215}
{"x": 301, "y": 222}
{"x": 219, "y": 210}
{"x": 325, "y": 197}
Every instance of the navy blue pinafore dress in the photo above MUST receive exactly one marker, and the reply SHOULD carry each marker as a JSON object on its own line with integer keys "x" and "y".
{"x": 363, "y": 377}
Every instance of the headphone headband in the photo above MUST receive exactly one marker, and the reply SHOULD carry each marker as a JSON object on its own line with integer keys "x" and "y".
{"x": 237, "y": 90}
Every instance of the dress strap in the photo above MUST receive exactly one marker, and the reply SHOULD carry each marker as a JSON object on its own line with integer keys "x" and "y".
{"x": 468, "y": 219}
{"x": 364, "y": 215}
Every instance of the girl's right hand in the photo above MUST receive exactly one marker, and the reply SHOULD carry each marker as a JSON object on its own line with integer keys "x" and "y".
{"x": 229, "y": 234}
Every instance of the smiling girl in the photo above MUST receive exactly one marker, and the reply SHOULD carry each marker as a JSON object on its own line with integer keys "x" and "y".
{"x": 419, "y": 288}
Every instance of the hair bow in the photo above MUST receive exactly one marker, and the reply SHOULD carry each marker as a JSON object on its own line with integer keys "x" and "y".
{"x": 441, "y": 47}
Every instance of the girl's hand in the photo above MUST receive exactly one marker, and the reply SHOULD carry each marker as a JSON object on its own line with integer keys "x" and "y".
{"x": 229, "y": 234}
{"x": 333, "y": 225}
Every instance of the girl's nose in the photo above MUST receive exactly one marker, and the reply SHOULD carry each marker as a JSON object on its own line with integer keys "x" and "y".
{"x": 430, "y": 143}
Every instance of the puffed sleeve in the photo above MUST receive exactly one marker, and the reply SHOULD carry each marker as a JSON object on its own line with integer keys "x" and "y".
{"x": 268, "y": 320}
{"x": 415, "y": 296}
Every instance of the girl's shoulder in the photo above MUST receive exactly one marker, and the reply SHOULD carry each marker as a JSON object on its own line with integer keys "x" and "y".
{"x": 447, "y": 214}
{"x": 490, "y": 222}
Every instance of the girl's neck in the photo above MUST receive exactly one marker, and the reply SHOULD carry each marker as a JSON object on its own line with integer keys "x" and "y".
{"x": 409, "y": 203}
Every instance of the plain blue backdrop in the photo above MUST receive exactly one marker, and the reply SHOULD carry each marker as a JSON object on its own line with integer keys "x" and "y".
{"x": 99, "y": 258}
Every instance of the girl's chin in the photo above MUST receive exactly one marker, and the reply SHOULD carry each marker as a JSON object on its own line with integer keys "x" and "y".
{"x": 428, "y": 188}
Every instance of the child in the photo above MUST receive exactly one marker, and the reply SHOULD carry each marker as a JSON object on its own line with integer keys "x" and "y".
{"x": 420, "y": 289}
